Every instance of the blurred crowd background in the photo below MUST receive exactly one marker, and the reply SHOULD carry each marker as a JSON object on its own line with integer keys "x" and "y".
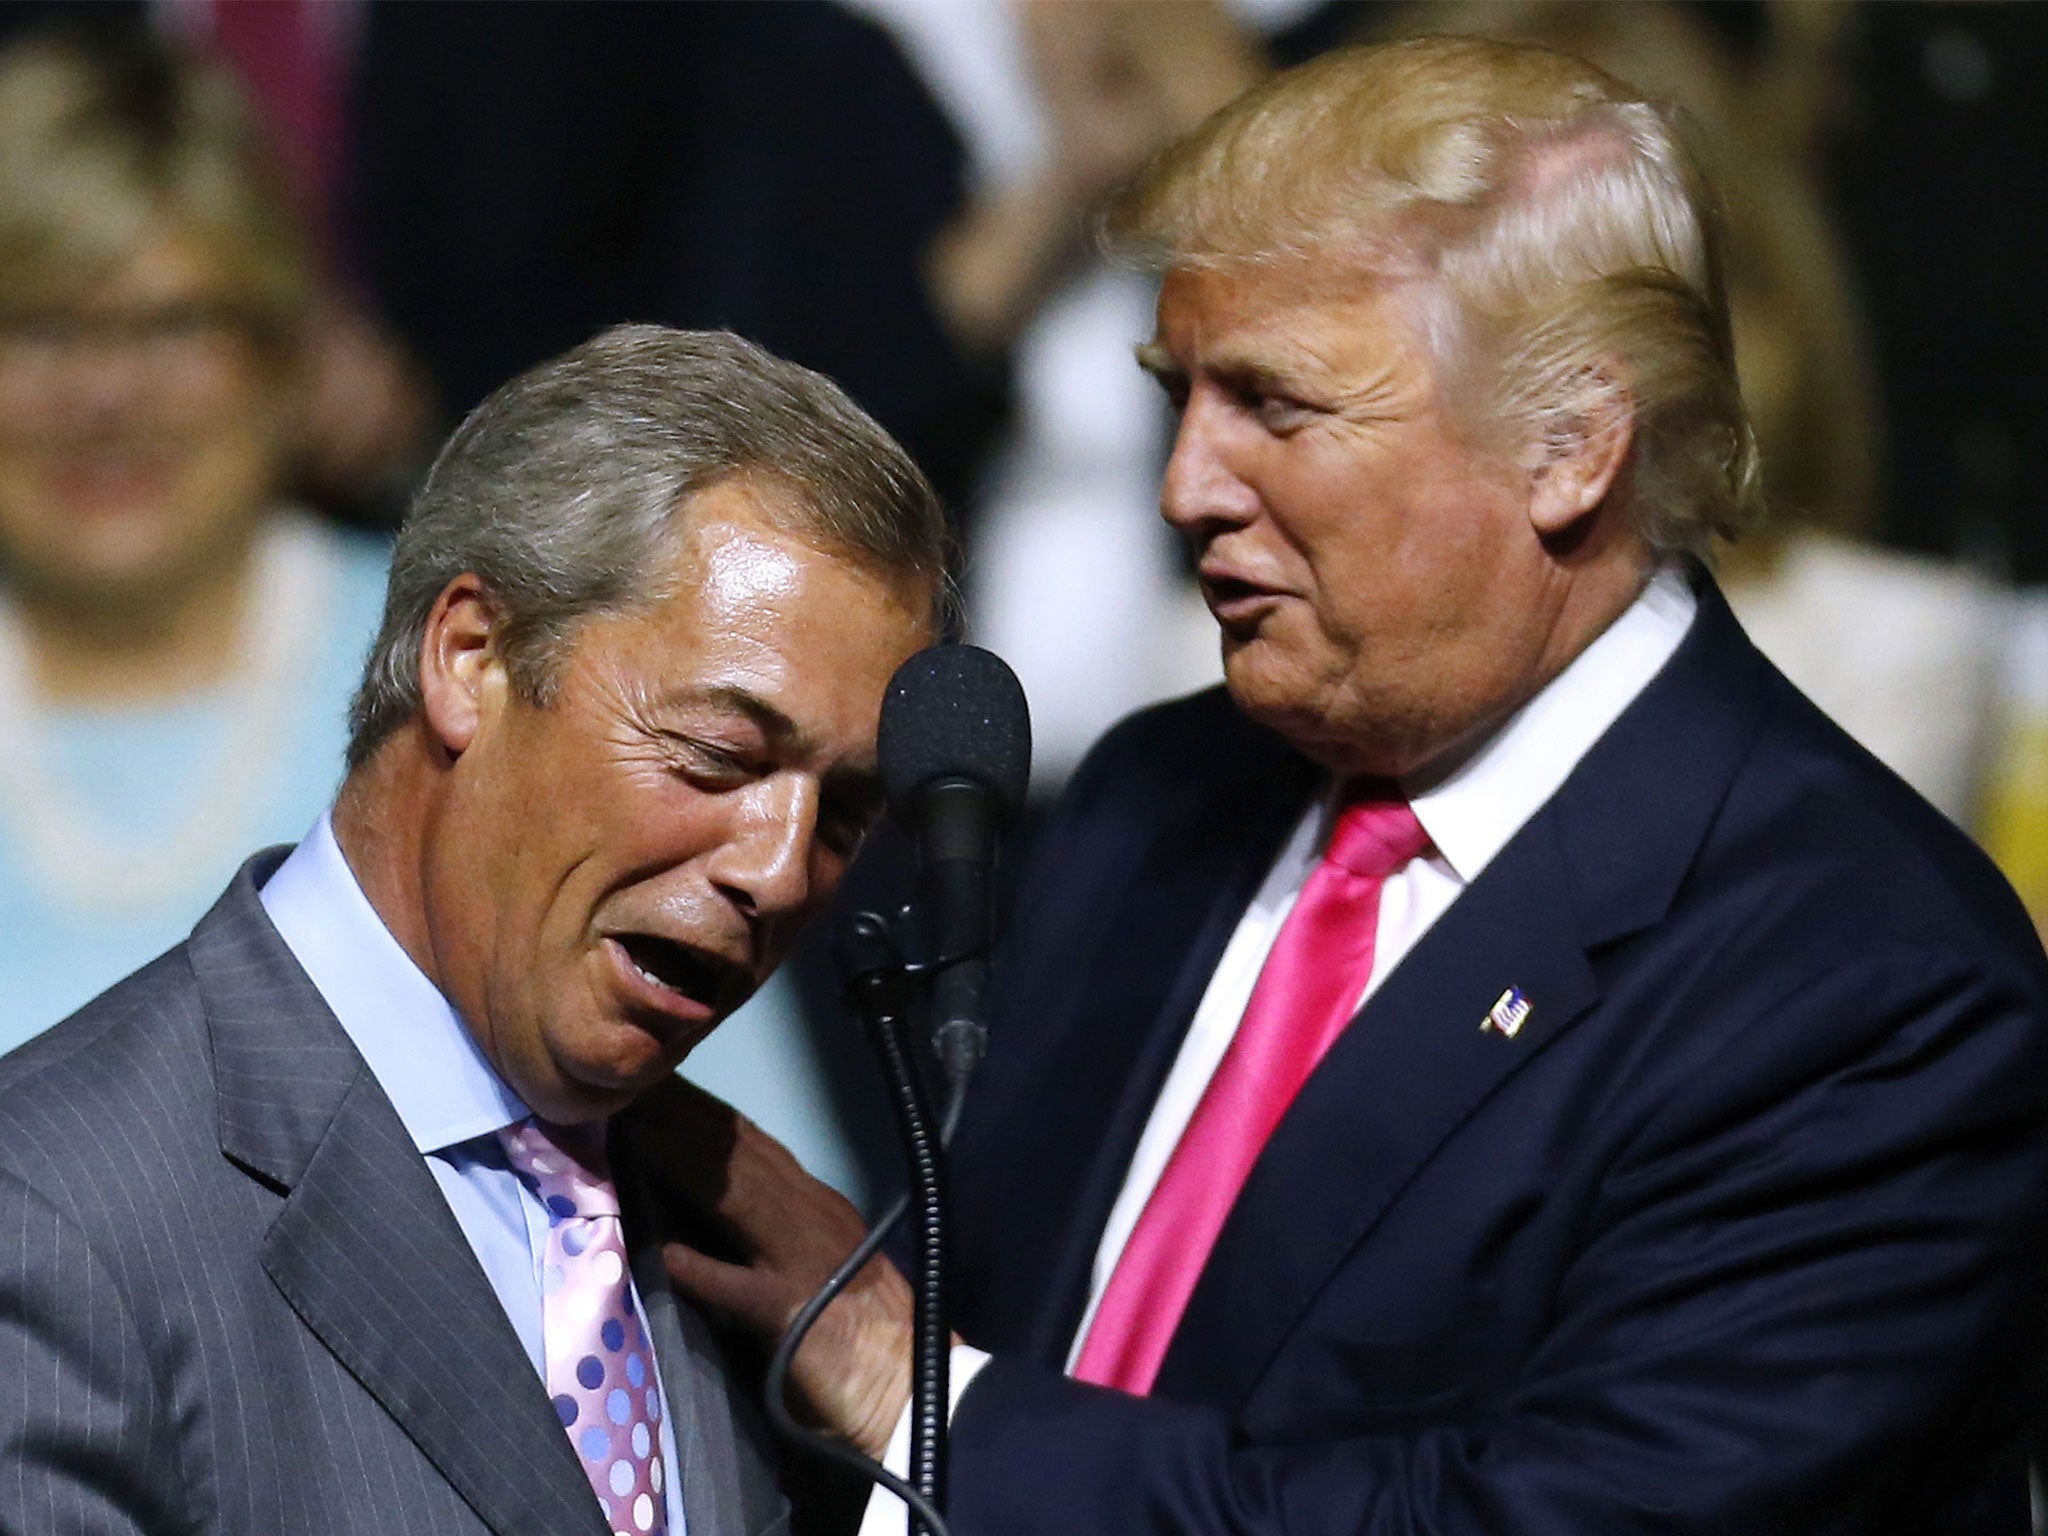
{"x": 256, "y": 256}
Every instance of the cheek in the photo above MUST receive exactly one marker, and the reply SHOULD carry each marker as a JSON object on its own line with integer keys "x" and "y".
{"x": 237, "y": 457}
{"x": 646, "y": 815}
{"x": 524, "y": 833}
{"x": 1362, "y": 571}
{"x": 828, "y": 869}
{"x": 1345, "y": 514}
{"x": 27, "y": 512}
{"x": 1418, "y": 561}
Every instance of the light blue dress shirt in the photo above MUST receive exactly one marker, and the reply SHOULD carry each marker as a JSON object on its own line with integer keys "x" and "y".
{"x": 449, "y": 1097}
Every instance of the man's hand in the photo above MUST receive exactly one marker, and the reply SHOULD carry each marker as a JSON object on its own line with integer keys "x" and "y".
{"x": 788, "y": 1232}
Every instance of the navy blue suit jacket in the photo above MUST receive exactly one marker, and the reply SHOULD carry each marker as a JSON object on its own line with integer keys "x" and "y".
{"x": 1737, "y": 1233}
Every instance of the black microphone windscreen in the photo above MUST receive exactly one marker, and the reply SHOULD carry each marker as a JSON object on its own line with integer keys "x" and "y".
{"x": 955, "y": 710}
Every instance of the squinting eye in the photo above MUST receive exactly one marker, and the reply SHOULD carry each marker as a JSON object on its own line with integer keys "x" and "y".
{"x": 1175, "y": 389}
{"x": 1277, "y": 413}
{"x": 710, "y": 769}
{"x": 843, "y": 828}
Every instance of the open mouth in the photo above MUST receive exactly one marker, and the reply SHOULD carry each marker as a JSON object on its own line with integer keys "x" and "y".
{"x": 1235, "y": 602}
{"x": 1228, "y": 589}
{"x": 683, "y": 972}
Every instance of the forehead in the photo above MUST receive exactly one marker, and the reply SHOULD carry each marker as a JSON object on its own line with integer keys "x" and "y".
{"x": 749, "y": 607}
{"x": 174, "y": 262}
{"x": 171, "y": 265}
{"x": 1284, "y": 319}
{"x": 745, "y": 550}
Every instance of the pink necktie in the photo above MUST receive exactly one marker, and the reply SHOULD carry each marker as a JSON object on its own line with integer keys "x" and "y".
{"x": 1306, "y": 993}
{"x": 600, "y": 1370}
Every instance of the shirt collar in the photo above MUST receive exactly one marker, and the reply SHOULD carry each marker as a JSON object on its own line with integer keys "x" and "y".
{"x": 1485, "y": 800}
{"x": 417, "y": 1047}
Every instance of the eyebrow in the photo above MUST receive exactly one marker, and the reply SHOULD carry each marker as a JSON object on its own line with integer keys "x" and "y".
{"x": 1153, "y": 357}
{"x": 757, "y": 709}
{"x": 1252, "y": 372}
{"x": 741, "y": 701}
{"x": 864, "y": 782}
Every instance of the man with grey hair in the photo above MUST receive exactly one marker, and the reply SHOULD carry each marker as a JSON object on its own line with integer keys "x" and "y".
{"x": 314, "y": 1225}
{"x": 1509, "y": 1066}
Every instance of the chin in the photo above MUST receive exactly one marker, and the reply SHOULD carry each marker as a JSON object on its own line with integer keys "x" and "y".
{"x": 1268, "y": 690}
{"x": 618, "y": 1078}
{"x": 570, "y": 1102}
{"x": 572, "y": 1090}
{"x": 1343, "y": 734}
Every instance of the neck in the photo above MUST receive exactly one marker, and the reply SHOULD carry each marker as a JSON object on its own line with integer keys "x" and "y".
{"x": 1588, "y": 609}
{"x": 1590, "y": 614}
{"x": 139, "y": 647}
{"x": 1757, "y": 558}
{"x": 1582, "y": 601}
{"x": 381, "y": 830}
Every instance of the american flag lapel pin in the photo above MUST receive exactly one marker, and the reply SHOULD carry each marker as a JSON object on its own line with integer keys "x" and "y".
{"x": 1510, "y": 1011}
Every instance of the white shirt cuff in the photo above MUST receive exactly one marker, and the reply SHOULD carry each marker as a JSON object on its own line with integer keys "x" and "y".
{"x": 886, "y": 1515}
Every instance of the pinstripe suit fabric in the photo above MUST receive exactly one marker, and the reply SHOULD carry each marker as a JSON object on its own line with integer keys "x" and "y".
{"x": 232, "y": 1298}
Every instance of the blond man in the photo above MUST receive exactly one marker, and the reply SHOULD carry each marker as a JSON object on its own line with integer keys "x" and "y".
{"x": 1509, "y": 1066}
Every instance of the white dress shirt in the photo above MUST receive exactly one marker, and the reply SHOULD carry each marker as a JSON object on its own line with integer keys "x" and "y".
{"x": 1470, "y": 815}
{"x": 448, "y": 1096}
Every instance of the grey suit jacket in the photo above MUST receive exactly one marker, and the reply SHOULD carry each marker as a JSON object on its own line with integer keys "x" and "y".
{"x": 232, "y": 1298}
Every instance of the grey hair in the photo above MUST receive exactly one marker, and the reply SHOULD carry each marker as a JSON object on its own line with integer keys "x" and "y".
{"x": 560, "y": 493}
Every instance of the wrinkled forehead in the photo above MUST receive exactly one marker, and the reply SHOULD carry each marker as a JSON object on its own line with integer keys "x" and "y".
{"x": 797, "y": 640}
{"x": 1337, "y": 249}
{"x": 1291, "y": 314}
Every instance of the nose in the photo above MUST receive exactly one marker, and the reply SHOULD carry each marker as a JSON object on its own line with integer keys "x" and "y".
{"x": 1201, "y": 494}
{"x": 764, "y": 864}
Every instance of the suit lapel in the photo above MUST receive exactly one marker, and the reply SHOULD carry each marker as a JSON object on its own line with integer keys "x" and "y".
{"x": 1199, "y": 877}
{"x": 364, "y": 1247}
{"x": 1602, "y": 860}
{"x": 1410, "y": 1069}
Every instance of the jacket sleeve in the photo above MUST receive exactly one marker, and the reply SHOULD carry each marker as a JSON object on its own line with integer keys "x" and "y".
{"x": 85, "y": 1444}
{"x": 1805, "y": 1303}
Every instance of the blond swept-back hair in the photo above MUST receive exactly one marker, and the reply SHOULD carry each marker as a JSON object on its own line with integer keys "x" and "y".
{"x": 109, "y": 141}
{"x": 1568, "y": 241}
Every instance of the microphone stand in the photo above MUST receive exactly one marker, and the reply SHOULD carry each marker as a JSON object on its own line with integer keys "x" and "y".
{"x": 953, "y": 743}
{"x": 932, "y": 1354}
{"x": 877, "y": 975}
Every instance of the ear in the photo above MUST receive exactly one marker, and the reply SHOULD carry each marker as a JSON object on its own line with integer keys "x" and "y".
{"x": 1580, "y": 456}
{"x": 461, "y": 676}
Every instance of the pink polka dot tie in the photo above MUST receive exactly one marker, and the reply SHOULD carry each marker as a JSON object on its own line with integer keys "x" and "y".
{"x": 1307, "y": 991}
{"x": 600, "y": 1368}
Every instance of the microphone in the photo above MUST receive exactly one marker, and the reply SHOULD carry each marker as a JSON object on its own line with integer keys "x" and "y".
{"x": 955, "y": 754}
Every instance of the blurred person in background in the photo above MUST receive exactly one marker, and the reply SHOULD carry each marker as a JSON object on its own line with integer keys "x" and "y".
{"x": 368, "y": 412}
{"x": 514, "y": 177}
{"x": 1071, "y": 577}
{"x": 2015, "y": 819}
{"x": 1937, "y": 109}
{"x": 176, "y": 641}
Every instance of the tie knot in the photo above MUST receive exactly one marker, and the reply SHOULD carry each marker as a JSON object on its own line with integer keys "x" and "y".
{"x": 564, "y": 1166}
{"x": 1375, "y": 837}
